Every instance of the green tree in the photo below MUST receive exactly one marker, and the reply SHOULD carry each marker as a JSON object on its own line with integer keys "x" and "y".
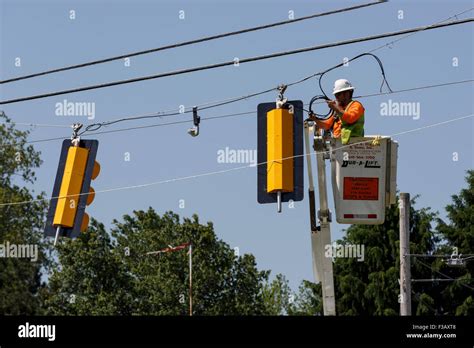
{"x": 308, "y": 300}
{"x": 278, "y": 297}
{"x": 371, "y": 287}
{"x": 20, "y": 279}
{"x": 99, "y": 275}
{"x": 458, "y": 235}
{"x": 89, "y": 278}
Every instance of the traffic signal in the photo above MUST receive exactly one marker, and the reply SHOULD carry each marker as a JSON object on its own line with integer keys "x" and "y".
{"x": 280, "y": 152}
{"x": 72, "y": 191}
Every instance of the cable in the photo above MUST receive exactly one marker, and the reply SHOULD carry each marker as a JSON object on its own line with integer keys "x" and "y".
{"x": 380, "y": 63}
{"x": 440, "y": 280}
{"x": 173, "y": 123}
{"x": 239, "y": 114}
{"x": 416, "y": 88}
{"x": 315, "y": 99}
{"x": 444, "y": 275}
{"x": 388, "y": 44}
{"x": 97, "y": 126}
{"x": 442, "y": 256}
{"x": 192, "y": 42}
{"x": 171, "y": 113}
{"x": 231, "y": 100}
{"x": 204, "y": 106}
{"x": 384, "y": 80}
{"x": 236, "y": 168}
{"x": 2, "y": 114}
{"x": 312, "y": 101}
{"x": 245, "y": 60}
{"x": 409, "y": 89}
{"x": 138, "y": 127}
{"x": 38, "y": 125}
{"x": 324, "y": 95}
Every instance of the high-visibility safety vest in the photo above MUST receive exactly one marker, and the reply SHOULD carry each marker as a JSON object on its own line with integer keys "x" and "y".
{"x": 355, "y": 129}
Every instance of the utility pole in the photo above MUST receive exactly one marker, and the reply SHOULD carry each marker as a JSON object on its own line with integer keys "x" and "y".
{"x": 190, "y": 264}
{"x": 190, "y": 280}
{"x": 405, "y": 271}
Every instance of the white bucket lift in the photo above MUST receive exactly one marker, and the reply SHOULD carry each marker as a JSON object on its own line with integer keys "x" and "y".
{"x": 363, "y": 179}
{"x": 364, "y": 184}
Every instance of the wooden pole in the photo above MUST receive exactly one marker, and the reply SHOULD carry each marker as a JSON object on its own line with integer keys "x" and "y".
{"x": 190, "y": 279}
{"x": 405, "y": 271}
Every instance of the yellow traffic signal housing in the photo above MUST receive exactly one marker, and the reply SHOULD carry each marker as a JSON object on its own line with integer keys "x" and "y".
{"x": 90, "y": 196}
{"x": 280, "y": 154}
{"x": 280, "y": 151}
{"x": 72, "y": 191}
{"x": 71, "y": 186}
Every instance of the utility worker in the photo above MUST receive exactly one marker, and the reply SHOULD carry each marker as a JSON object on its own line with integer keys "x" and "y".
{"x": 347, "y": 117}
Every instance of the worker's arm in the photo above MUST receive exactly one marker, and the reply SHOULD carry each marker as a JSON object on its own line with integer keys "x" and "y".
{"x": 324, "y": 124}
{"x": 353, "y": 112}
{"x": 351, "y": 115}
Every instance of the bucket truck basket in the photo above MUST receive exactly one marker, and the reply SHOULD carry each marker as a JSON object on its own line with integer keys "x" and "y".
{"x": 364, "y": 176}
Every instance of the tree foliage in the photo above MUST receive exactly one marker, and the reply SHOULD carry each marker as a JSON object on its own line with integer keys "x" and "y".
{"x": 100, "y": 275}
{"x": 372, "y": 288}
{"x": 456, "y": 298}
{"x": 108, "y": 271}
{"x": 20, "y": 278}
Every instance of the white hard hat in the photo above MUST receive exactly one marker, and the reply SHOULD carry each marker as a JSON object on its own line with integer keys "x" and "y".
{"x": 342, "y": 85}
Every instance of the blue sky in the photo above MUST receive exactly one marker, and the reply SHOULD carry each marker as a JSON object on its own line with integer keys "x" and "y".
{"x": 42, "y": 34}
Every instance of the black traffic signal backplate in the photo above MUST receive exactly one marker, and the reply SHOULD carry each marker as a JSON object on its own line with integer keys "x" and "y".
{"x": 298, "y": 167}
{"x": 50, "y": 230}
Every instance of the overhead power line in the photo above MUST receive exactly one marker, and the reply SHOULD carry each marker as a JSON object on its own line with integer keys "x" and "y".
{"x": 212, "y": 104}
{"x": 389, "y": 44}
{"x": 441, "y": 280}
{"x": 245, "y": 113}
{"x": 96, "y": 126}
{"x": 237, "y": 168}
{"x": 241, "y": 61}
{"x": 192, "y": 42}
{"x": 209, "y": 105}
{"x": 442, "y": 256}
{"x": 442, "y": 274}
{"x": 159, "y": 114}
